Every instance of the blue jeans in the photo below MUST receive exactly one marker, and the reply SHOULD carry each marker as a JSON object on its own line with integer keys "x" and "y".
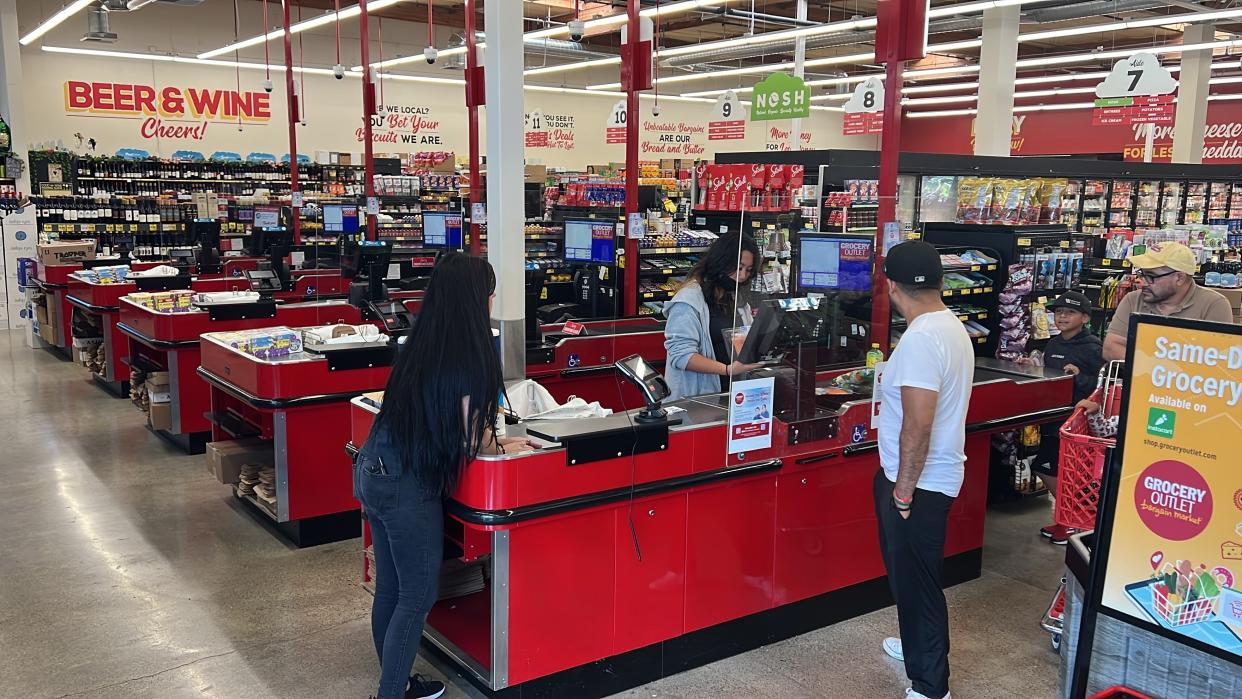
{"x": 407, "y": 533}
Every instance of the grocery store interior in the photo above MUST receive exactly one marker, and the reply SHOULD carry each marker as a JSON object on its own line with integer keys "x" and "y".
{"x": 221, "y": 221}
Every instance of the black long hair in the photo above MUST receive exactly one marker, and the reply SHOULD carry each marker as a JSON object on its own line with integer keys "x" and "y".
{"x": 714, "y": 267}
{"x": 449, "y": 357}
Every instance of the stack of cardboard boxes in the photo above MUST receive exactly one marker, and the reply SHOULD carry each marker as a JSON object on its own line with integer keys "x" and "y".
{"x": 159, "y": 397}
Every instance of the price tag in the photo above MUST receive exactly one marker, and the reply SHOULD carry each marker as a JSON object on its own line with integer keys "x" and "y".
{"x": 1106, "y": 262}
{"x": 297, "y": 200}
{"x": 1065, "y": 244}
{"x": 372, "y": 206}
{"x": 771, "y": 226}
{"x": 1024, "y": 242}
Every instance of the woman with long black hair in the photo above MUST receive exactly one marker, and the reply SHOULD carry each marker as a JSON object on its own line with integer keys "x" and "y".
{"x": 439, "y": 412}
{"x": 699, "y": 361}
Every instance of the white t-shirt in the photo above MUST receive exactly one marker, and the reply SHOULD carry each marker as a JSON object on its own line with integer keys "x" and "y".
{"x": 936, "y": 354}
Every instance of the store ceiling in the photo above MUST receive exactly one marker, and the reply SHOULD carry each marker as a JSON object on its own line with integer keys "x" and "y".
{"x": 737, "y": 19}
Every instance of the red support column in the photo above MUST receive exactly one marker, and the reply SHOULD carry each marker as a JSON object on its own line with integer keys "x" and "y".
{"x": 368, "y": 110}
{"x": 890, "y": 152}
{"x": 630, "y": 54}
{"x": 294, "y": 108}
{"x": 473, "y": 92}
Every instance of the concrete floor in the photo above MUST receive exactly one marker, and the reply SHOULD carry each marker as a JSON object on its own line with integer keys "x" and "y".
{"x": 127, "y": 571}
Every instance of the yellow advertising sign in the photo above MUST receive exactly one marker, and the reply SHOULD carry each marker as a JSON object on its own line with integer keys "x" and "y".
{"x": 1175, "y": 553}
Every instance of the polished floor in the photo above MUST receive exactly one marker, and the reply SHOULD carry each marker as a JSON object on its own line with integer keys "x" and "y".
{"x": 127, "y": 571}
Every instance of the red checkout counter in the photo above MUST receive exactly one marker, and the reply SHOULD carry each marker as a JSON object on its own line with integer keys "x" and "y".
{"x": 168, "y": 341}
{"x": 580, "y": 363}
{"x": 301, "y": 403}
{"x": 54, "y": 281}
{"x": 103, "y": 300}
{"x": 607, "y": 572}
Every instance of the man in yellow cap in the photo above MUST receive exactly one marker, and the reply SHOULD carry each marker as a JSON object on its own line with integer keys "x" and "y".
{"x": 1165, "y": 275}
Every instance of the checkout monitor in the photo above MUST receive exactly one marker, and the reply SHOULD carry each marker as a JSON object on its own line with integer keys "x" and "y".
{"x": 590, "y": 240}
{"x": 340, "y": 218}
{"x": 834, "y": 262}
{"x": 442, "y": 229}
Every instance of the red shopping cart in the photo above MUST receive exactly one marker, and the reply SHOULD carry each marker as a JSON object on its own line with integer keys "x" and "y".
{"x": 1085, "y": 441}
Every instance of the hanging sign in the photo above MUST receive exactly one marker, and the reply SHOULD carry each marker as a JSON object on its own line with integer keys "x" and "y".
{"x": 750, "y": 414}
{"x": 537, "y": 135}
{"x": 615, "y": 127}
{"x": 1174, "y": 557}
{"x": 780, "y": 96}
{"x": 728, "y": 122}
{"x": 1138, "y": 90}
{"x": 864, "y": 111}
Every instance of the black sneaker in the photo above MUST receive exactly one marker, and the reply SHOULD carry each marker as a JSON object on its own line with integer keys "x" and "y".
{"x": 423, "y": 688}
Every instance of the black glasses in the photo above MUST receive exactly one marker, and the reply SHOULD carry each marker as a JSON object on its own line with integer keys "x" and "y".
{"x": 1149, "y": 278}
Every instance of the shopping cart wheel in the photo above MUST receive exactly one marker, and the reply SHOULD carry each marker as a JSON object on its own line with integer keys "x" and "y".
{"x": 1056, "y": 643}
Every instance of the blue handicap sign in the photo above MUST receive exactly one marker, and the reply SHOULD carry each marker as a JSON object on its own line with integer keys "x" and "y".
{"x": 574, "y": 361}
{"x": 860, "y": 433}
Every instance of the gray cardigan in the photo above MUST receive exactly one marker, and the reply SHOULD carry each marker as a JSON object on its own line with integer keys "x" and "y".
{"x": 688, "y": 332}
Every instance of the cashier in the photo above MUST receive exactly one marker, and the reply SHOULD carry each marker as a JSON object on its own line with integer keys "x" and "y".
{"x": 439, "y": 412}
{"x": 699, "y": 359}
{"x": 1165, "y": 274}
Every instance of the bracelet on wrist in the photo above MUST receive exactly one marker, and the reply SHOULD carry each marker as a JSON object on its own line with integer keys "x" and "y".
{"x": 902, "y": 501}
{"x": 901, "y": 506}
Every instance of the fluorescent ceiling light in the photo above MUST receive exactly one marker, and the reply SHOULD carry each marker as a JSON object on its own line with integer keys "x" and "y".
{"x": 1189, "y": 18}
{"x": 1032, "y": 94}
{"x": 1124, "y": 53}
{"x": 326, "y": 18}
{"x": 52, "y": 22}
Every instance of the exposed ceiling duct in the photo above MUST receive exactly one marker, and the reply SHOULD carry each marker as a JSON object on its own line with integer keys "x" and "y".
{"x": 945, "y": 26}
{"x": 98, "y": 29}
{"x": 1079, "y": 10}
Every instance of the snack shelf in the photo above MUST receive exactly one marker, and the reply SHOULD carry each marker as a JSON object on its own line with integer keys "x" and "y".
{"x": 672, "y": 251}
{"x": 968, "y": 291}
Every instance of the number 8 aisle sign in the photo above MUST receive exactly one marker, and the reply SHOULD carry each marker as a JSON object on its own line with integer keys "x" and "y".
{"x": 864, "y": 111}
{"x": 728, "y": 120}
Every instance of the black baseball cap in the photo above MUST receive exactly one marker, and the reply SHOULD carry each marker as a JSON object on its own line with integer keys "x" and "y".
{"x": 1073, "y": 301}
{"x": 914, "y": 263}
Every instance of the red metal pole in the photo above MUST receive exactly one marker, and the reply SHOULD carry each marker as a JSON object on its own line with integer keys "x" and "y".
{"x": 472, "y": 115}
{"x": 630, "y": 55}
{"x": 294, "y": 108}
{"x": 890, "y": 152}
{"x": 368, "y": 110}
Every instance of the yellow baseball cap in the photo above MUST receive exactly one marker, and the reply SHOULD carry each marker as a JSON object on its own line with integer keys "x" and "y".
{"x": 1175, "y": 256}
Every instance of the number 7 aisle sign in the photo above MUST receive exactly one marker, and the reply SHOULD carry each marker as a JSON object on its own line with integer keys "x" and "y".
{"x": 864, "y": 111}
{"x": 1138, "y": 90}
{"x": 728, "y": 119}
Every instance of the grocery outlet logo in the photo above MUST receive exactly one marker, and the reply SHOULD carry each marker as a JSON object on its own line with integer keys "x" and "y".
{"x": 166, "y": 112}
{"x": 1160, "y": 422}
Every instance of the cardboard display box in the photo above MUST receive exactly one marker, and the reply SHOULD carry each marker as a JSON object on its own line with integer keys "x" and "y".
{"x": 225, "y": 459}
{"x": 68, "y": 252}
{"x": 160, "y": 416}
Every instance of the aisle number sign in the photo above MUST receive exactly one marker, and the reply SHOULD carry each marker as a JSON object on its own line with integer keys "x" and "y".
{"x": 728, "y": 122}
{"x": 1174, "y": 560}
{"x": 615, "y": 127}
{"x": 864, "y": 111}
{"x": 780, "y": 96}
{"x": 1138, "y": 90}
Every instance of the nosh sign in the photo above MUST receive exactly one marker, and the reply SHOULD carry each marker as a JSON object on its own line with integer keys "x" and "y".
{"x": 780, "y": 96}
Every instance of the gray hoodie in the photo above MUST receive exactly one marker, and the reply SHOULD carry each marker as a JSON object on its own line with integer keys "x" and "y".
{"x": 687, "y": 332}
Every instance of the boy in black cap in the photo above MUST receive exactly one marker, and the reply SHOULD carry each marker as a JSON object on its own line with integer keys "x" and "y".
{"x": 923, "y": 391}
{"x": 1080, "y": 354}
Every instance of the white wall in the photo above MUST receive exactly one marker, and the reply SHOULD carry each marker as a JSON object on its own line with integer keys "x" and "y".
{"x": 429, "y": 117}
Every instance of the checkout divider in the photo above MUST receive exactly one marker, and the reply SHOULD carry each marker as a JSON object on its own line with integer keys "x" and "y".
{"x": 670, "y": 534}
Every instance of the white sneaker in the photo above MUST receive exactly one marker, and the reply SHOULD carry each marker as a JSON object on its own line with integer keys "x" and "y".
{"x": 911, "y": 694}
{"x": 892, "y": 648}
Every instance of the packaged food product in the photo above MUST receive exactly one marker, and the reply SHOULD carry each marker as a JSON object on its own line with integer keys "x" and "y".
{"x": 974, "y": 199}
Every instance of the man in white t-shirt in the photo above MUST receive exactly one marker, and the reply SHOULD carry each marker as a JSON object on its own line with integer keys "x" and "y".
{"x": 924, "y": 391}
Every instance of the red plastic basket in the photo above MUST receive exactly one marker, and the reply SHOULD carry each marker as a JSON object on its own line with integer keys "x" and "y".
{"x": 1082, "y": 464}
{"x": 1118, "y": 693}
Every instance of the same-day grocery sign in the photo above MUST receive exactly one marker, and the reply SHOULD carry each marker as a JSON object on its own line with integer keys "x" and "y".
{"x": 780, "y": 96}
{"x": 1175, "y": 551}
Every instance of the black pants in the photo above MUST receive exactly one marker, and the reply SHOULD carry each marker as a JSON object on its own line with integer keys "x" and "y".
{"x": 913, "y": 552}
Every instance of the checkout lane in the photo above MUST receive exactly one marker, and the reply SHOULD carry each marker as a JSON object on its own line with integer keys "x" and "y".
{"x": 607, "y": 572}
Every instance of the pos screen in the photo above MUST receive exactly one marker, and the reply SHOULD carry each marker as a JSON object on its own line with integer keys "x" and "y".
{"x": 441, "y": 229}
{"x": 834, "y": 262}
{"x": 339, "y": 218}
{"x": 590, "y": 241}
